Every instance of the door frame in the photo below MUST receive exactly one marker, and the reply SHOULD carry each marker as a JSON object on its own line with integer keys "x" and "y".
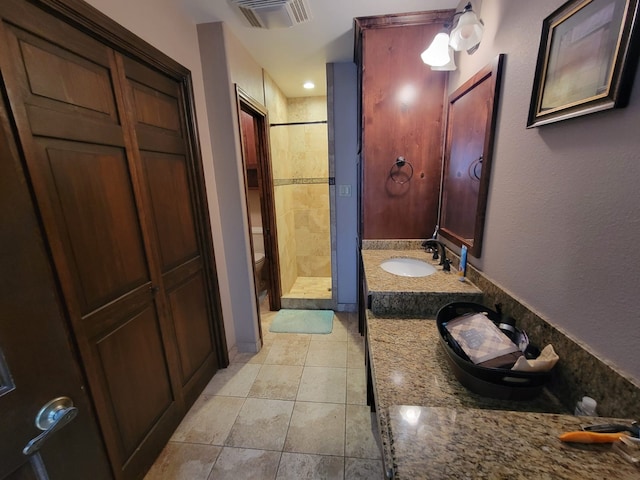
{"x": 244, "y": 102}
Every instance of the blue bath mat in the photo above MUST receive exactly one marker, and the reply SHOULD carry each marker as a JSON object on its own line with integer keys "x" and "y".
{"x": 302, "y": 321}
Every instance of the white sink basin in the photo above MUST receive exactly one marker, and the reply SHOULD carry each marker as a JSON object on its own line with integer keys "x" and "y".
{"x": 408, "y": 267}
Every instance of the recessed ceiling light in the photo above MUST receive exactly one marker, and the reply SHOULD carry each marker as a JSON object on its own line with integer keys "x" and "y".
{"x": 309, "y": 85}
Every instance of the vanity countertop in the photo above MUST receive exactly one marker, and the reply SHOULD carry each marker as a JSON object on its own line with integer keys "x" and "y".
{"x": 378, "y": 280}
{"x": 432, "y": 427}
{"x": 392, "y": 295}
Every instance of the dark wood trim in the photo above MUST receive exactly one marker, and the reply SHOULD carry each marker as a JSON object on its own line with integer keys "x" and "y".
{"x": 395, "y": 20}
{"x": 265, "y": 184}
{"x": 493, "y": 74}
{"x": 95, "y": 23}
{"x": 403, "y": 19}
{"x": 203, "y": 221}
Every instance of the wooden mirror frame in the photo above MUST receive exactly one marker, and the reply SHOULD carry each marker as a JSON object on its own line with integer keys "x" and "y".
{"x": 461, "y": 123}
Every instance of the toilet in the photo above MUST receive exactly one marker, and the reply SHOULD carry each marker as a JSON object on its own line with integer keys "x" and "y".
{"x": 259, "y": 258}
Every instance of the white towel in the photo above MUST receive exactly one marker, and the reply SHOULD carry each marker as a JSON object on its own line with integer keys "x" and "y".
{"x": 545, "y": 361}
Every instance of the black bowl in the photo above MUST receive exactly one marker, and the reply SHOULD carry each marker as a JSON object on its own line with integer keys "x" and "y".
{"x": 501, "y": 383}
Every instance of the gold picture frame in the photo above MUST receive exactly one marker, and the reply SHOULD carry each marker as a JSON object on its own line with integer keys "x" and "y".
{"x": 587, "y": 60}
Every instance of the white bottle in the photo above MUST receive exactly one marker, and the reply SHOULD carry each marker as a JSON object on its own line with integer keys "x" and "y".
{"x": 586, "y": 407}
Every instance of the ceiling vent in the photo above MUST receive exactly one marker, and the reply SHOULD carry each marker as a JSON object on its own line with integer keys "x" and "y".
{"x": 274, "y": 13}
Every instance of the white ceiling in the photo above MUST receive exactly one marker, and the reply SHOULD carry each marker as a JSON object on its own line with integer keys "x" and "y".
{"x": 297, "y": 54}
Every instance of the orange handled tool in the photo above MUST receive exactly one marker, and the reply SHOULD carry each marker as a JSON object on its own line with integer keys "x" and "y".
{"x": 591, "y": 437}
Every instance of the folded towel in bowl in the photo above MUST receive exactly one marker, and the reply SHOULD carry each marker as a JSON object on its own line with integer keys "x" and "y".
{"x": 545, "y": 361}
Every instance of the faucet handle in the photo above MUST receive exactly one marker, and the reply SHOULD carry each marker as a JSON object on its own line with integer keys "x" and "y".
{"x": 446, "y": 265}
{"x": 430, "y": 248}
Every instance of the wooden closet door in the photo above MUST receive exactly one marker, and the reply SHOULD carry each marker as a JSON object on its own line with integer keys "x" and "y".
{"x": 156, "y": 108}
{"x": 68, "y": 106}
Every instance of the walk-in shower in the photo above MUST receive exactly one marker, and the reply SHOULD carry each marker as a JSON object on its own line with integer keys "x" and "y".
{"x": 300, "y": 161}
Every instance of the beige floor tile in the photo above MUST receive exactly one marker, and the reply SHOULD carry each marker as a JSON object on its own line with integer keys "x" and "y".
{"x": 356, "y": 386}
{"x": 327, "y": 354}
{"x": 362, "y": 469}
{"x": 241, "y": 463}
{"x": 262, "y": 424}
{"x": 308, "y": 420}
{"x": 267, "y": 337}
{"x": 361, "y": 433}
{"x": 338, "y": 333}
{"x": 209, "y": 420}
{"x": 292, "y": 338}
{"x": 282, "y": 353}
{"x": 355, "y": 353}
{"x": 180, "y": 461}
{"x": 295, "y": 466}
{"x": 323, "y": 384}
{"x": 278, "y": 382}
{"x": 245, "y": 357}
{"x": 354, "y": 336}
{"x": 233, "y": 381}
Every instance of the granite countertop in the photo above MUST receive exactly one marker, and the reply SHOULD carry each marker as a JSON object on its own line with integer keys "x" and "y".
{"x": 378, "y": 280}
{"x": 392, "y": 295}
{"x": 432, "y": 427}
{"x": 447, "y": 443}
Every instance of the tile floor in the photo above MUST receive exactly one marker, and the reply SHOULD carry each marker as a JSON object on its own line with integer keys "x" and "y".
{"x": 310, "y": 287}
{"x": 295, "y": 410}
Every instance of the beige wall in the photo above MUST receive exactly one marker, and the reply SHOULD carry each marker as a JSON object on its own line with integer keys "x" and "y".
{"x": 563, "y": 215}
{"x": 220, "y": 72}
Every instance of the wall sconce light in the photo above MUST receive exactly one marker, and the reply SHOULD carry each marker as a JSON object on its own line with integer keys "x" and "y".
{"x": 438, "y": 53}
{"x": 466, "y": 35}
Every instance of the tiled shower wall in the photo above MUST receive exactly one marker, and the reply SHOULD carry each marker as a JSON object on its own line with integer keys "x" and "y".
{"x": 309, "y": 158}
{"x": 276, "y": 103}
{"x": 301, "y": 187}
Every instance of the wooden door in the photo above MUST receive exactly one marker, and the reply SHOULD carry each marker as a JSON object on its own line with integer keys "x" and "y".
{"x": 37, "y": 362}
{"x": 104, "y": 143}
{"x": 254, "y": 135}
{"x": 159, "y": 145}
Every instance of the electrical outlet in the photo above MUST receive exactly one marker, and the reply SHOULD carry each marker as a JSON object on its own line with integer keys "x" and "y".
{"x": 344, "y": 190}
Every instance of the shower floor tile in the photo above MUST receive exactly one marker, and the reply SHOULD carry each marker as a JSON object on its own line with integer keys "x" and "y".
{"x": 310, "y": 287}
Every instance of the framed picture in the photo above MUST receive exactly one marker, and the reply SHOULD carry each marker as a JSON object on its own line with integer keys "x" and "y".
{"x": 587, "y": 60}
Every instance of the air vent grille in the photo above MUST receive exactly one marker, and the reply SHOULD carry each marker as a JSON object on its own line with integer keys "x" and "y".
{"x": 250, "y": 16}
{"x": 299, "y": 11}
{"x": 274, "y": 13}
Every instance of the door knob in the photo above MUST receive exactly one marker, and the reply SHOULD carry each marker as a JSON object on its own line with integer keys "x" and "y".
{"x": 52, "y": 417}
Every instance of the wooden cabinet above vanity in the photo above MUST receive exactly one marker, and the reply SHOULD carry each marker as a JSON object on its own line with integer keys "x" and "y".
{"x": 402, "y": 102}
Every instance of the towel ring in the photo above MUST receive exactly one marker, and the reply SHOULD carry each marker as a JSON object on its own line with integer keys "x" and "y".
{"x": 399, "y": 163}
{"x": 473, "y": 169}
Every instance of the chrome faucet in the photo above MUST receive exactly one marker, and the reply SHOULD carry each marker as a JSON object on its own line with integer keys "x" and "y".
{"x": 444, "y": 261}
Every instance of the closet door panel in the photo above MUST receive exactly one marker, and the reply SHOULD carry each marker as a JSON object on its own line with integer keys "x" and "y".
{"x": 69, "y": 74}
{"x": 188, "y": 308}
{"x": 99, "y": 217}
{"x": 157, "y": 106}
{"x": 171, "y": 205}
{"x": 110, "y": 152}
{"x": 135, "y": 373}
{"x": 65, "y": 94}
